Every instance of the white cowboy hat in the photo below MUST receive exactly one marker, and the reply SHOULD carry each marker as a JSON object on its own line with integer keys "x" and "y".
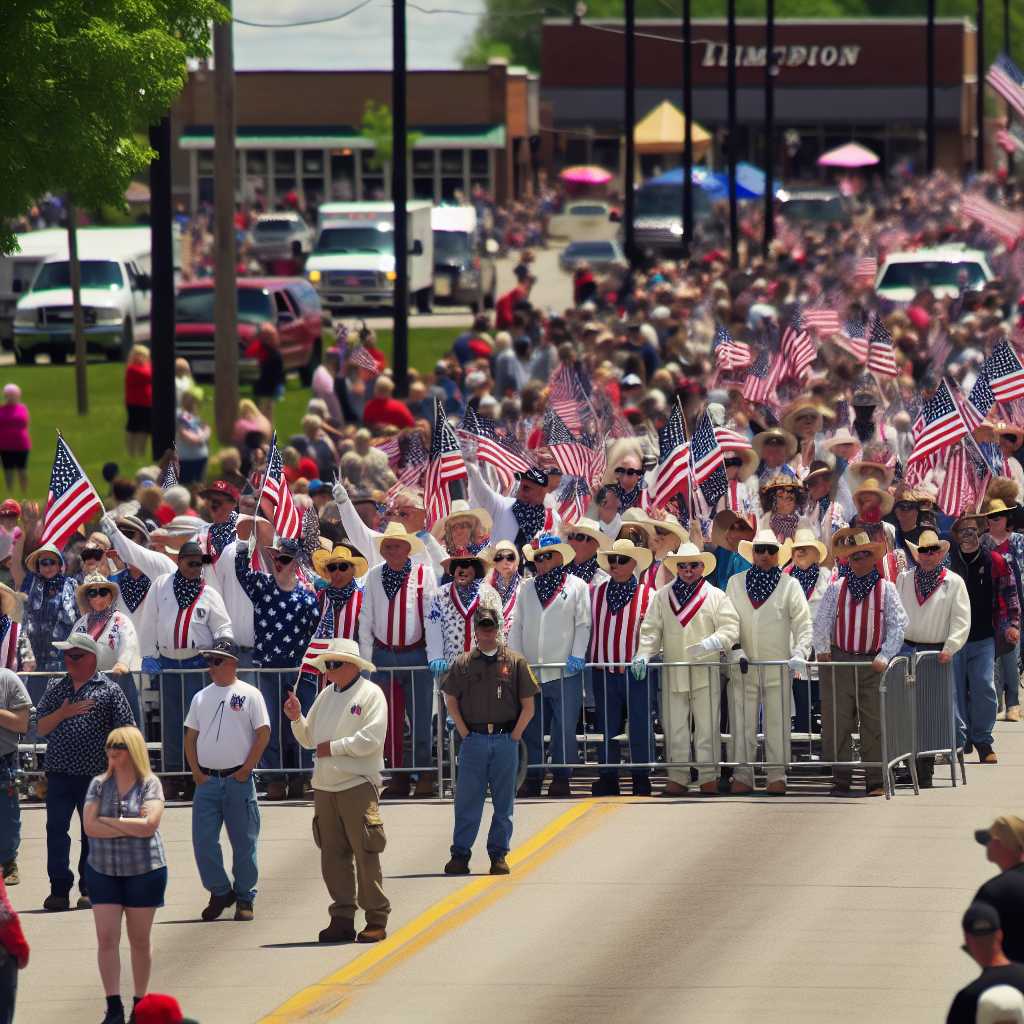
{"x": 94, "y": 579}
{"x": 461, "y": 510}
{"x": 340, "y": 649}
{"x": 928, "y": 539}
{"x": 503, "y": 545}
{"x": 637, "y": 517}
{"x": 805, "y": 405}
{"x": 689, "y": 552}
{"x": 548, "y": 542}
{"x": 395, "y": 531}
{"x": 669, "y": 524}
{"x": 32, "y": 558}
{"x": 641, "y": 556}
{"x": 746, "y": 547}
{"x": 841, "y": 436}
{"x": 805, "y": 538}
{"x": 590, "y": 527}
{"x": 865, "y": 469}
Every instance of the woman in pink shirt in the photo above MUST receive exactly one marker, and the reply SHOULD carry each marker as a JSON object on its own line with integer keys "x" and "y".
{"x": 15, "y": 442}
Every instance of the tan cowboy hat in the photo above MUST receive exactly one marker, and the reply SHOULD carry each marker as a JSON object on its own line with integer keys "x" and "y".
{"x": 11, "y": 602}
{"x": 997, "y": 507}
{"x": 759, "y": 440}
{"x": 482, "y": 563}
{"x": 589, "y": 527}
{"x": 340, "y": 649}
{"x": 689, "y": 552}
{"x": 970, "y": 517}
{"x": 805, "y": 405}
{"x": 872, "y": 486}
{"x": 928, "y": 539}
{"x": 671, "y": 525}
{"x": 548, "y": 542}
{"x": 990, "y": 431}
{"x": 94, "y": 579}
{"x": 637, "y": 517}
{"x": 745, "y": 548}
{"x": 395, "y": 531}
{"x": 721, "y": 524}
{"x": 841, "y": 436}
{"x": 502, "y": 545}
{"x": 323, "y": 557}
{"x": 461, "y": 510}
{"x": 850, "y": 540}
{"x": 642, "y": 556}
{"x": 864, "y": 470}
{"x": 805, "y": 538}
{"x": 32, "y": 558}
{"x": 746, "y": 454}
{"x": 778, "y": 481}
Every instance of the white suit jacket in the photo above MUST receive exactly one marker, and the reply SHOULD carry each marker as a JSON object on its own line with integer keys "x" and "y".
{"x": 552, "y": 634}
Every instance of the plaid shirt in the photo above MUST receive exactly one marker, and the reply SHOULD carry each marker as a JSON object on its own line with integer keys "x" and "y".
{"x": 1005, "y": 604}
{"x": 126, "y": 855}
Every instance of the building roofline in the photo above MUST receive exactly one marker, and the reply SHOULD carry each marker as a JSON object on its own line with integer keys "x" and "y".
{"x": 779, "y": 22}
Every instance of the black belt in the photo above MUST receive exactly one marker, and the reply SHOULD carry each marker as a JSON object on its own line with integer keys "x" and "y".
{"x": 923, "y": 646}
{"x": 220, "y": 773}
{"x": 491, "y": 727}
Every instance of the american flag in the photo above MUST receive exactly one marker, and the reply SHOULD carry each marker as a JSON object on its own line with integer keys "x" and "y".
{"x": 568, "y": 397}
{"x": 444, "y": 466}
{"x": 881, "y": 354}
{"x": 707, "y": 463}
{"x": 729, "y": 354}
{"x": 1004, "y": 224}
{"x": 392, "y": 448}
{"x": 1004, "y": 372}
{"x": 287, "y": 521}
{"x": 503, "y": 453}
{"x": 571, "y": 455}
{"x": 763, "y": 378}
{"x": 866, "y": 269}
{"x": 978, "y": 403}
{"x": 732, "y": 439}
{"x": 358, "y": 356}
{"x": 1007, "y": 80}
{"x": 823, "y": 320}
{"x": 169, "y": 477}
{"x": 319, "y": 642}
{"x": 852, "y": 338}
{"x": 572, "y": 499}
{"x": 672, "y": 474}
{"x": 941, "y": 425}
{"x": 797, "y": 349}
{"x": 966, "y": 480}
{"x": 72, "y": 500}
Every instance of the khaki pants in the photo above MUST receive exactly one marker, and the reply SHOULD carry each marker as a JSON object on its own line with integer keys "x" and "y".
{"x": 746, "y": 693}
{"x": 348, "y": 833}
{"x": 704, "y": 705}
{"x": 843, "y": 689}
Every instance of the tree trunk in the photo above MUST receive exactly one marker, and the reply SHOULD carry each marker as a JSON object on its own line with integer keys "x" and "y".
{"x": 77, "y": 316}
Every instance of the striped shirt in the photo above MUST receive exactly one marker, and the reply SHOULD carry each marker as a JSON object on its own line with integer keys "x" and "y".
{"x": 397, "y": 622}
{"x": 614, "y": 636}
{"x": 875, "y": 625}
{"x": 346, "y": 618}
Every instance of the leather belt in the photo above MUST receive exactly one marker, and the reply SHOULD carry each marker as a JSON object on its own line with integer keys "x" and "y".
{"x": 491, "y": 727}
{"x": 399, "y": 647}
{"x": 220, "y": 773}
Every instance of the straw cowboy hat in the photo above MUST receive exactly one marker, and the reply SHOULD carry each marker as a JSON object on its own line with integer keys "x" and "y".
{"x": 865, "y": 469}
{"x": 461, "y": 510}
{"x": 991, "y": 431}
{"x": 969, "y": 517}
{"x": 641, "y": 556}
{"x": 779, "y": 481}
{"x": 548, "y": 542}
{"x": 323, "y": 557}
{"x": 928, "y": 539}
{"x": 589, "y": 527}
{"x": 503, "y": 545}
{"x": 32, "y": 558}
{"x": 746, "y": 454}
{"x": 802, "y": 405}
{"x": 872, "y": 486}
{"x": 746, "y": 547}
{"x": 722, "y": 523}
{"x": 805, "y": 538}
{"x": 483, "y": 566}
{"x": 841, "y": 436}
{"x": 760, "y": 439}
{"x": 671, "y": 525}
{"x": 94, "y": 579}
{"x": 11, "y": 603}
{"x": 850, "y": 540}
{"x": 689, "y": 552}
{"x": 1000, "y": 497}
{"x": 340, "y": 649}
{"x": 637, "y": 517}
{"x": 395, "y": 531}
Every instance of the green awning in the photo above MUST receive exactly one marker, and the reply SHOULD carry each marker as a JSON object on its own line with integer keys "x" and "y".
{"x": 454, "y": 137}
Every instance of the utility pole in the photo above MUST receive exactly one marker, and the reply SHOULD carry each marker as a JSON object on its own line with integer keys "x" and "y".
{"x": 630, "y": 119}
{"x": 734, "y": 227}
{"x": 225, "y": 303}
{"x": 688, "y": 137}
{"x": 770, "y": 71}
{"x": 77, "y": 316}
{"x": 979, "y": 89}
{"x": 399, "y": 197}
{"x": 930, "y": 101}
{"x": 1006, "y": 50}
{"x": 161, "y": 340}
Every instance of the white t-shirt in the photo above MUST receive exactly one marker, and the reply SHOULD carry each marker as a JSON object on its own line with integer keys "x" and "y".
{"x": 226, "y": 718}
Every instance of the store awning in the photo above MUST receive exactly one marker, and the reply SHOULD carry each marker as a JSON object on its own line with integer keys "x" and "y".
{"x": 662, "y": 130}
{"x": 443, "y": 137}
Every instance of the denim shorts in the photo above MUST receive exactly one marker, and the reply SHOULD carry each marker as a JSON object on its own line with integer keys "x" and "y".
{"x": 145, "y": 890}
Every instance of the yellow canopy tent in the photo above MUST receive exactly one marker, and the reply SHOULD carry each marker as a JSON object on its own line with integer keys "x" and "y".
{"x": 661, "y": 131}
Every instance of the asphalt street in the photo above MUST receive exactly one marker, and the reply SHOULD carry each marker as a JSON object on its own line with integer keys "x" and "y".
{"x": 752, "y": 909}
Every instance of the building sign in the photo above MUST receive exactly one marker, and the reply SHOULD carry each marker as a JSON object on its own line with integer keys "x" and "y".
{"x": 716, "y": 55}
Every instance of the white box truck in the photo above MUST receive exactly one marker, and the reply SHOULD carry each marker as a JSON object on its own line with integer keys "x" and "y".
{"x": 352, "y": 265}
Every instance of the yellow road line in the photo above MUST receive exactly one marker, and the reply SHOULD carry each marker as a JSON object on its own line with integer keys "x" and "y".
{"x": 325, "y": 997}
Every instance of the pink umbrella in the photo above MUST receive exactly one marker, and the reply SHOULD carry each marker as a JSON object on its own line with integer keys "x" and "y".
{"x": 850, "y": 156}
{"x": 589, "y": 175}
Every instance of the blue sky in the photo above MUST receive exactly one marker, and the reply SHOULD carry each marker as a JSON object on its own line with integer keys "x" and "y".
{"x": 362, "y": 40}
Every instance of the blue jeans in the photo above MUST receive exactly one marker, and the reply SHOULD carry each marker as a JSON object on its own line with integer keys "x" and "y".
{"x": 10, "y": 809}
{"x": 976, "y": 700}
{"x": 1008, "y": 676}
{"x": 232, "y": 804}
{"x": 416, "y": 688}
{"x": 556, "y": 712}
{"x": 65, "y": 794}
{"x": 177, "y": 688}
{"x": 485, "y": 760}
{"x": 622, "y": 698}
{"x": 283, "y": 750}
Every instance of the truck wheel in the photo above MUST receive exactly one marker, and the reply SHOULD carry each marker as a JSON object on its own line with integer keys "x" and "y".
{"x": 58, "y": 356}
{"x": 425, "y": 300}
{"x": 25, "y": 356}
{"x": 306, "y": 372}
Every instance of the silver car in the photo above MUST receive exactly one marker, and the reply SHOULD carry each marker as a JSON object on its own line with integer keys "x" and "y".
{"x": 273, "y": 235}
{"x": 600, "y": 255}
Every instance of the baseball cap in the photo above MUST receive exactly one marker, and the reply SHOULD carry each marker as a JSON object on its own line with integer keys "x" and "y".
{"x": 1008, "y": 829}
{"x": 485, "y": 617}
{"x": 221, "y": 487}
{"x": 80, "y": 641}
{"x": 10, "y": 508}
{"x": 631, "y": 380}
{"x": 981, "y": 919}
{"x": 315, "y": 486}
{"x": 225, "y": 646}
{"x": 190, "y": 547}
{"x": 287, "y": 546}
{"x": 535, "y": 476}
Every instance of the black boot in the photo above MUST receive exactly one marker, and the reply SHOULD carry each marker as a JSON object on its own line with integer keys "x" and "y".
{"x": 925, "y": 772}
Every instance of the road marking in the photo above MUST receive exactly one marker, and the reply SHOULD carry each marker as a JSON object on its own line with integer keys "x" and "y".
{"x": 325, "y": 998}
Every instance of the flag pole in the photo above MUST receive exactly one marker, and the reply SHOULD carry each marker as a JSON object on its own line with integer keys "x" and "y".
{"x": 689, "y": 459}
{"x": 259, "y": 499}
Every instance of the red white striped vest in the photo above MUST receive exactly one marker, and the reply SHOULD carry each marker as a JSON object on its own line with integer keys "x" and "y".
{"x": 859, "y": 623}
{"x": 401, "y": 626}
{"x": 346, "y": 621}
{"x": 614, "y": 636}
{"x": 466, "y": 614}
{"x": 183, "y": 621}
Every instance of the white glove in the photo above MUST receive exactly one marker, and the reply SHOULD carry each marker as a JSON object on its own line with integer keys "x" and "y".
{"x": 798, "y": 666}
{"x": 339, "y": 494}
{"x": 639, "y": 667}
{"x": 712, "y": 643}
{"x": 737, "y": 654}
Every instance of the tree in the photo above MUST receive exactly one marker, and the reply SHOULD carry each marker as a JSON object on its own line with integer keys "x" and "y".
{"x": 377, "y": 126}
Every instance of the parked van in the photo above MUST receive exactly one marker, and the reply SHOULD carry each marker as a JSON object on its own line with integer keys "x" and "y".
{"x": 465, "y": 273}
{"x": 18, "y": 269}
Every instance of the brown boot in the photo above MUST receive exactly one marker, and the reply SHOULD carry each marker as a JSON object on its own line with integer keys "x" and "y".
{"x": 397, "y": 788}
{"x": 673, "y": 788}
{"x": 372, "y": 933}
{"x": 424, "y": 787}
{"x": 777, "y": 788}
{"x": 341, "y": 929}
{"x": 277, "y": 790}
{"x": 559, "y": 789}
{"x": 709, "y": 788}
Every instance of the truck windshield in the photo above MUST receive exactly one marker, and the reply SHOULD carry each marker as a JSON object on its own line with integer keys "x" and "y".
{"x": 667, "y": 201}
{"x": 280, "y": 226}
{"x": 361, "y": 238}
{"x": 195, "y": 306}
{"x": 937, "y": 274}
{"x": 451, "y": 245}
{"x": 95, "y": 274}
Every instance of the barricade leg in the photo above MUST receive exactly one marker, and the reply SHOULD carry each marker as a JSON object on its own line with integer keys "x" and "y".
{"x": 675, "y": 721}
{"x": 418, "y": 685}
{"x": 395, "y": 696}
{"x": 533, "y": 737}
{"x": 294, "y": 757}
{"x": 869, "y": 699}
{"x": 177, "y": 688}
{"x": 778, "y": 694}
{"x": 272, "y": 760}
{"x": 126, "y": 681}
{"x": 838, "y": 715}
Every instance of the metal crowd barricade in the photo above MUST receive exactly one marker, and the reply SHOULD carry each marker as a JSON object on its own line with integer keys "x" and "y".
{"x": 935, "y": 711}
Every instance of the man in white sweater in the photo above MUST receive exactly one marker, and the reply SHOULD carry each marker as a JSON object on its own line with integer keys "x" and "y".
{"x": 346, "y": 726}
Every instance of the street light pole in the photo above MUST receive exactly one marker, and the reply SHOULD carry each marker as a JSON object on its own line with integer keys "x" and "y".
{"x": 161, "y": 341}
{"x": 1006, "y": 50}
{"x": 930, "y": 99}
{"x": 769, "y": 126}
{"x": 688, "y": 136}
{"x": 734, "y": 241}
{"x": 399, "y": 198}
{"x": 630, "y": 119}
{"x": 979, "y": 89}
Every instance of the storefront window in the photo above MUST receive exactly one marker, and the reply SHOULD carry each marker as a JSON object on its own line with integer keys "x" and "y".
{"x": 453, "y": 178}
{"x": 255, "y": 174}
{"x": 284, "y": 173}
{"x": 343, "y": 175}
{"x": 423, "y": 173}
{"x": 373, "y": 178}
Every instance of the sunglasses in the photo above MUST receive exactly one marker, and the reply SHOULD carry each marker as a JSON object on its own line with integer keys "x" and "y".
{"x": 48, "y": 561}
{"x": 117, "y": 746}
{"x": 193, "y": 563}
{"x": 130, "y": 534}
{"x": 283, "y": 559}
{"x": 92, "y": 554}
{"x": 774, "y": 442}
{"x": 213, "y": 659}
{"x": 906, "y": 506}
{"x": 74, "y": 655}
{"x": 464, "y": 564}
{"x": 505, "y": 558}
{"x": 765, "y": 549}
{"x": 622, "y": 471}
{"x": 691, "y": 565}
{"x": 339, "y": 567}
{"x": 968, "y": 531}
{"x": 934, "y": 550}
{"x": 619, "y": 560}
{"x": 860, "y": 556}
{"x": 332, "y": 665}
{"x": 99, "y": 592}
{"x": 733, "y": 462}
{"x": 580, "y": 537}
{"x": 544, "y": 557}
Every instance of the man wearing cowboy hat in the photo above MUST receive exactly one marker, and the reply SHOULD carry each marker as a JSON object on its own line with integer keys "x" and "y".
{"x": 551, "y": 626}
{"x": 346, "y": 727}
{"x": 517, "y": 519}
{"x": 586, "y": 540}
{"x": 689, "y": 621}
{"x": 775, "y": 448}
{"x": 489, "y": 692}
{"x": 728, "y": 528}
{"x": 341, "y": 567}
{"x": 618, "y": 605}
{"x": 805, "y": 420}
{"x": 860, "y": 618}
{"x": 285, "y": 614}
{"x": 823, "y": 510}
{"x": 938, "y": 616}
{"x": 450, "y": 621}
{"x": 396, "y": 597}
{"x": 775, "y": 625}
{"x": 806, "y": 567}
{"x": 995, "y": 628}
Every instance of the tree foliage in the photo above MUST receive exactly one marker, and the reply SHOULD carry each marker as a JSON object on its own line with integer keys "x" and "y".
{"x": 377, "y": 127}
{"x": 79, "y": 82}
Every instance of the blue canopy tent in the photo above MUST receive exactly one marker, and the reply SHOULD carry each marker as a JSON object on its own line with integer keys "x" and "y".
{"x": 749, "y": 181}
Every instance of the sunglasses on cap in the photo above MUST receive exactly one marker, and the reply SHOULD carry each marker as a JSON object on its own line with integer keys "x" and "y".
{"x": 505, "y": 558}
{"x": 544, "y": 557}
{"x": 93, "y": 554}
{"x": 283, "y": 559}
{"x": 339, "y": 567}
{"x": 193, "y": 563}
{"x": 117, "y": 746}
{"x": 619, "y": 559}
{"x": 623, "y": 471}
{"x": 463, "y": 563}
{"x": 733, "y": 462}
{"x": 774, "y": 442}
{"x": 214, "y": 659}
{"x": 905, "y": 506}
{"x": 99, "y": 592}
{"x": 765, "y": 549}
{"x": 934, "y": 549}
{"x": 579, "y": 537}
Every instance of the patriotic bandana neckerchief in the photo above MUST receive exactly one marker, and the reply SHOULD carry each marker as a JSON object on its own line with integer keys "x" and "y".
{"x": 619, "y": 595}
{"x": 392, "y": 581}
{"x": 684, "y": 591}
{"x": 926, "y": 583}
{"x": 627, "y": 499}
{"x": 761, "y": 584}
{"x": 53, "y": 586}
{"x": 185, "y": 591}
{"x": 860, "y": 586}
{"x": 823, "y": 503}
{"x": 134, "y": 590}
{"x": 467, "y": 594}
{"x": 96, "y": 622}
{"x": 529, "y": 517}
{"x": 339, "y": 596}
{"x": 807, "y": 578}
{"x": 5, "y": 625}
{"x": 503, "y": 588}
{"x": 585, "y": 570}
{"x": 784, "y": 526}
{"x": 549, "y": 584}
{"x": 222, "y": 534}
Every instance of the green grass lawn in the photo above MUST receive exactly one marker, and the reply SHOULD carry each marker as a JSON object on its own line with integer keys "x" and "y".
{"x": 49, "y": 393}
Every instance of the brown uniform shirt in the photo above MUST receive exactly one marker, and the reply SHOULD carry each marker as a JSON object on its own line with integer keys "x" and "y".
{"x": 490, "y": 691}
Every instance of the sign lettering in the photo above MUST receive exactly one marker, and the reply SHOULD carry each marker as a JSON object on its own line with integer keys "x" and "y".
{"x": 716, "y": 55}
